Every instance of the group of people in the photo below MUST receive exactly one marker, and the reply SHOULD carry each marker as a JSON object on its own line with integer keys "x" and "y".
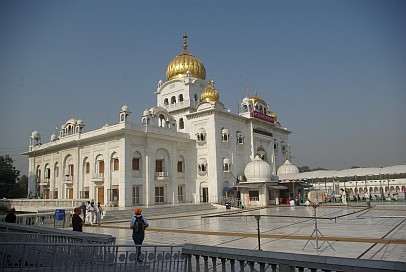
{"x": 89, "y": 212}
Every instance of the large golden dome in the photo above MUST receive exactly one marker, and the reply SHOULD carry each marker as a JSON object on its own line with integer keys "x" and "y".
{"x": 210, "y": 93}
{"x": 185, "y": 62}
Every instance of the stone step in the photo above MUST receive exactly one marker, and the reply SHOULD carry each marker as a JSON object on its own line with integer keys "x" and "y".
{"x": 156, "y": 211}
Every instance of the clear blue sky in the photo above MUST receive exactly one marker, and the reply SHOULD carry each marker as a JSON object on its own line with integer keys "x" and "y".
{"x": 333, "y": 71}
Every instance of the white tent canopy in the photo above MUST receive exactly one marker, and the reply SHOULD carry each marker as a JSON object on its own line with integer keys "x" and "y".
{"x": 359, "y": 172}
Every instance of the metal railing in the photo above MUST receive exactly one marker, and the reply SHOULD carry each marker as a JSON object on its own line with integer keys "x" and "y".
{"x": 21, "y": 233}
{"x": 87, "y": 257}
{"x": 213, "y": 258}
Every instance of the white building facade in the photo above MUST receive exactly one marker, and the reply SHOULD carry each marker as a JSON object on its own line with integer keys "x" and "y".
{"x": 187, "y": 148}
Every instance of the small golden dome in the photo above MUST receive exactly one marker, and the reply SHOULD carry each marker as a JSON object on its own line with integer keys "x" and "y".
{"x": 210, "y": 93}
{"x": 256, "y": 99}
{"x": 273, "y": 115}
{"x": 184, "y": 63}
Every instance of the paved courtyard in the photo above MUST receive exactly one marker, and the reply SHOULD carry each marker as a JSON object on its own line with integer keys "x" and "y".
{"x": 378, "y": 233}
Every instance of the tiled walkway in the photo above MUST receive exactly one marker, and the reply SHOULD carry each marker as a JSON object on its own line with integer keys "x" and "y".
{"x": 355, "y": 232}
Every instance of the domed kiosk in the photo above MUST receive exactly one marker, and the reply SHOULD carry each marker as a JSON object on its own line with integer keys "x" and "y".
{"x": 261, "y": 187}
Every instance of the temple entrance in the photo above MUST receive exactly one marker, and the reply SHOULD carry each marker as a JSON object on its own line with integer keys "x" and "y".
{"x": 100, "y": 195}
{"x": 205, "y": 195}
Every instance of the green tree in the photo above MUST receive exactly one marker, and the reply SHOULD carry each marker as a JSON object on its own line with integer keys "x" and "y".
{"x": 20, "y": 189}
{"x": 8, "y": 176}
{"x": 303, "y": 169}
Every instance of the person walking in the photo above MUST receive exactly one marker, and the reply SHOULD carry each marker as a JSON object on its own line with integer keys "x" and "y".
{"x": 367, "y": 198}
{"x": 11, "y": 216}
{"x": 138, "y": 224}
{"x": 344, "y": 196}
{"x": 77, "y": 222}
{"x": 90, "y": 212}
{"x": 99, "y": 212}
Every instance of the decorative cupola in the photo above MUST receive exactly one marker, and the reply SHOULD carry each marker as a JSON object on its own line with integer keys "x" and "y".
{"x": 210, "y": 94}
{"x": 35, "y": 138}
{"x": 125, "y": 114}
{"x": 258, "y": 170}
{"x": 287, "y": 167}
{"x": 185, "y": 65}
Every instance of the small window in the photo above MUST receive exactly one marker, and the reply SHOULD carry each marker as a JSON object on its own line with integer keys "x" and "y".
{"x": 240, "y": 138}
{"x": 173, "y": 100}
{"x": 101, "y": 167}
{"x": 181, "y": 124}
{"x": 226, "y": 165}
{"x": 71, "y": 170}
{"x": 180, "y": 166}
{"x": 180, "y": 98}
{"x": 159, "y": 195}
{"x": 87, "y": 168}
{"x": 115, "y": 164}
{"x": 180, "y": 193}
{"x": 225, "y": 135}
{"x": 166, "y": 102}
{"x": 254, "y": 195}
{"x": 136, "y": 164}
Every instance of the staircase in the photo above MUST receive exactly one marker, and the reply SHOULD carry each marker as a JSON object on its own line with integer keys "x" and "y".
{"x": 158, "y": 211}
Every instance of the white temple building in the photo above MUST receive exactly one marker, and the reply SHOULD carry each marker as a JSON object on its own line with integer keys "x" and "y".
{"x": 187, "y": 148}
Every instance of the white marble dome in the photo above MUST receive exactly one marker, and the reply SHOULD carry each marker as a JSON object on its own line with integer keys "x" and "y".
{"x": 125, "y": 108}
{"x": 35, "y": 135}
{"x": 258, "y": 170}
{"x": 287, "y": 168}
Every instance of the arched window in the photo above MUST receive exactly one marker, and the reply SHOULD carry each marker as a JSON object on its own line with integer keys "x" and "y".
{"x": 201, "y": 136}
{"x": 136, "y": 163}
{"x": 181, "y": 124}
{"x": 225, "y": 136}
{"x": 240, "y": 137}
{"x": 181, "y": 165}
{"x": 226, "y": 165}
{"x": 166, "y": 102}
{"x": 173, "y": 100}
{"x": 180, "y": 98}
{"x": 202, "y": 166}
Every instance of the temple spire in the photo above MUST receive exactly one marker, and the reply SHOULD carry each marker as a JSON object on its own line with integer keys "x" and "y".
{"x": 184, "y": 41}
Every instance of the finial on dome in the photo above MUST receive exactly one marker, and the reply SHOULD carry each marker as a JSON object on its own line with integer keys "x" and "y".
{"x": 184, "y": 41}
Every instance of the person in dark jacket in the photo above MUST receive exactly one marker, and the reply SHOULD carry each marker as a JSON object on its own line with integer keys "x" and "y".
{"x": 77, "y": 222}
{"x": 11, "y": 217}
{"x": 138, "y": 233}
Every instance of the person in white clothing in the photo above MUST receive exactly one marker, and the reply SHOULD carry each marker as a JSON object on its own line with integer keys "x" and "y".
{"x": 91, "y": 211}
{"x": 344, "y": 197}
{"x": 367, "y": 198}
{"x": 99, "y": 212}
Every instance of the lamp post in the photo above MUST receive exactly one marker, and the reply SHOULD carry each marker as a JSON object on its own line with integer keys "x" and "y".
{"x": 258, "y": 217}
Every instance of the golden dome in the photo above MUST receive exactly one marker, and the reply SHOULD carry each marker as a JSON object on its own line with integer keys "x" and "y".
{"x": 256, "y": 99}
{"x": 185, "y": 62}
{"x": 210, "y": 93}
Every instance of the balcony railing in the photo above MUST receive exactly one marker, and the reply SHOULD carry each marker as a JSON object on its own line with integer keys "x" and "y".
{"x": 98, "y": 177}
{"x": 67, "y": 179}
{"x": 44, "y": 182}
{"x": 161, "y": 175}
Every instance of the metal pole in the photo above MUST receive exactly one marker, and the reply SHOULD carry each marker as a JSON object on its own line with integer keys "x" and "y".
{"x": 258, "y": 217}
{"x": 316, "y": 229}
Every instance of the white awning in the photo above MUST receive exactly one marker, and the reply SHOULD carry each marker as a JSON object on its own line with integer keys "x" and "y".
{"x": 359, "y": 172}
{"x": 278, "y": 187}
{"x": 250, "y": 185}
